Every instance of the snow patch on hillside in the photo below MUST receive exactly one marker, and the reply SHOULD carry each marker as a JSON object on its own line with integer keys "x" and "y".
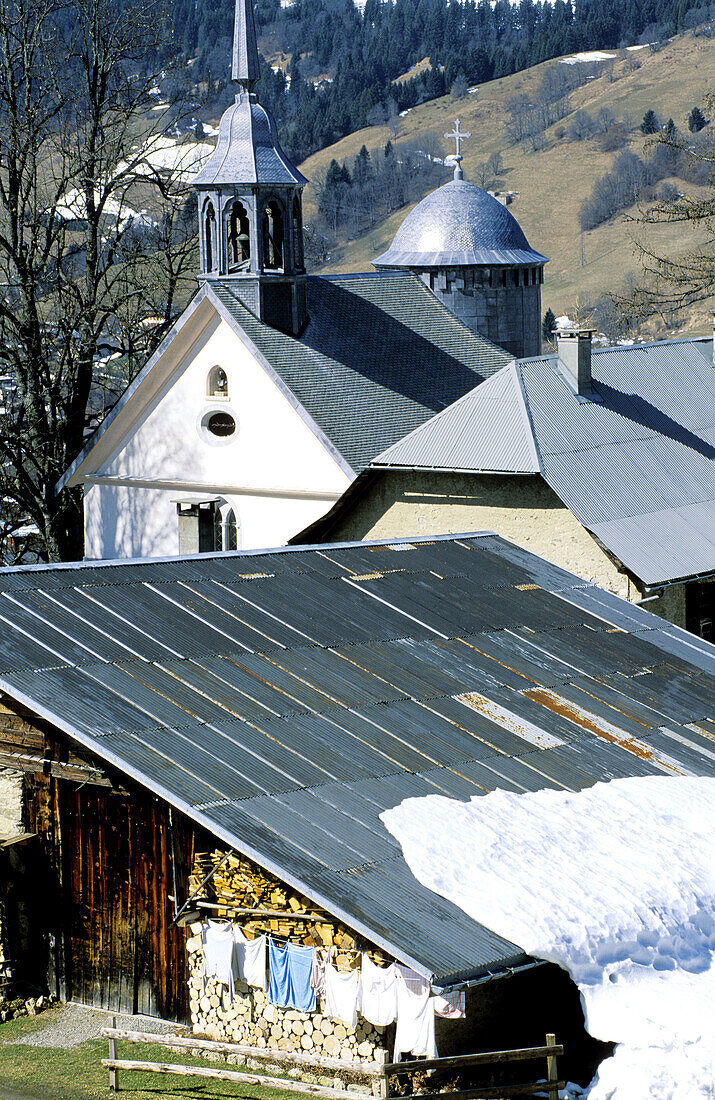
{"x": 617, "y": 885}
{"x": 586, "y": 56}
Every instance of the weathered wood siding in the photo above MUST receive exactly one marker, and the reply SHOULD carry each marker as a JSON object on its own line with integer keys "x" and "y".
{"x": 110, "y": 854}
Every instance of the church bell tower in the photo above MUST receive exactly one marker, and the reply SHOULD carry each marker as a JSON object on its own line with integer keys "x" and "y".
{"x": 250, "y": 201}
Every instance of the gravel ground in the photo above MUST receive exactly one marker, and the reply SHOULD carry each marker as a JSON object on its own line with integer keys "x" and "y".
{"x": 70, "y": 1024}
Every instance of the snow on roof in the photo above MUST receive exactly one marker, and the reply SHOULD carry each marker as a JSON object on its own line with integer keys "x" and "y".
{"x": 627, "y": 908}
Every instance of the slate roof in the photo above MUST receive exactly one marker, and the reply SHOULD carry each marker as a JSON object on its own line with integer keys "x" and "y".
{"x": 379, "y": 356}
{"x": 283, "y": 699}
{"x": 636, "y": 466}
{"x": 247, "y": 149}
{"x": 459, "y": 224}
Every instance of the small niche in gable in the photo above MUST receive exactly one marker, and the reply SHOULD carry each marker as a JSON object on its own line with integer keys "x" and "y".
{"x": 217, "y": 383}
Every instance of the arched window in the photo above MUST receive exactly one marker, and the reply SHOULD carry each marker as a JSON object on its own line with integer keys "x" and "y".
{"x": 217, "y": 383}
{"x": 297, "y": 235}
{"x": 273, "y": 236}
{"x": 209, "y": 230}
{"x": 239, "y": 236}
{"x": 230, "y": 531}
{"x": 226, "y": 528}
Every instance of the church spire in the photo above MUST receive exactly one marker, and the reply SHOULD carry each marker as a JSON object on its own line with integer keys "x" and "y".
{"x": 245, "y": 69}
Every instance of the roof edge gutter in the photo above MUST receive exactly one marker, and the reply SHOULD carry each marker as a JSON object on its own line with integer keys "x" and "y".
{"x": 451, "y": 469}
{"x": 469, "y": 978}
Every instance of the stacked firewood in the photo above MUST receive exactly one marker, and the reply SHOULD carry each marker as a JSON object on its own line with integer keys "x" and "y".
{"x": 238, "y": 886}
{"x": 259, "y": 903}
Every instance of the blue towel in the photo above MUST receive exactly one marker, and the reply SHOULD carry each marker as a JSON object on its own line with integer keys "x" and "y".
{"x": 279, "y": 991}
{"x": 289, "y": 970}
{"x": 300, "y": 964}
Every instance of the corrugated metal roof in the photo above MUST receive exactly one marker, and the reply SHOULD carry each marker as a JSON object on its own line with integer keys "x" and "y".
{"x": 446, "y": 666}
{"x": 636, "y": 466}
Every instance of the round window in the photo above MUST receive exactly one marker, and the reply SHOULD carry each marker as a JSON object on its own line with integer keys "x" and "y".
{"x": 221, "y": 424}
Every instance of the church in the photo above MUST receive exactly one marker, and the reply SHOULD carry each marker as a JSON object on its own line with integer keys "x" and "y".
{"x": 275, "y": 389}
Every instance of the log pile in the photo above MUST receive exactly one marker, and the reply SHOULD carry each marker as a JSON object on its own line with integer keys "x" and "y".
{"x": 238, "y": 884}
{"x": 250, "y": 1018}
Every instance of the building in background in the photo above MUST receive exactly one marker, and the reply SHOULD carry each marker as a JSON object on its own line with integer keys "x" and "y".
{"x": 274, "y": 389}
{"x": 601, "y": 460}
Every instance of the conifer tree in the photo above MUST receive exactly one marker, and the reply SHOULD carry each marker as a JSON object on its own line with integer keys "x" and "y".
{"x": 650, "y": 125}
{"x": 548, "y": 324}
{"x": 696, "y": 120}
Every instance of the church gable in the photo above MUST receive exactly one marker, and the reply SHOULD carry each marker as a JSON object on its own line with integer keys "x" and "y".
{"x": 221, "y": 419}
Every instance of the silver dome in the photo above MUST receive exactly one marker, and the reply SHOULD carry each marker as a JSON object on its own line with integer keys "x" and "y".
{"x": 458, "y": 225}
{"x": 247, "y": 150}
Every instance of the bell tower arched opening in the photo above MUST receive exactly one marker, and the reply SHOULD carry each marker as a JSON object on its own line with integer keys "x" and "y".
{"x": 239, "y": 237}
{"x": 273, "y": 236}
{"x": 209, "y": 237}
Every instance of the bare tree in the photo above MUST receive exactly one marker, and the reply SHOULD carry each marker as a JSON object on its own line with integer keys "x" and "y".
{"x": 95, "y": 236}
{"x": 678, "y": 279}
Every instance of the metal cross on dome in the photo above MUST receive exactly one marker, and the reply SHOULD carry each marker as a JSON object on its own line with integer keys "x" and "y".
{"x": 458, "y": 136}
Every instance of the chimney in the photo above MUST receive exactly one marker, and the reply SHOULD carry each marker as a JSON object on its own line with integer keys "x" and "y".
{"x": 574, "y": 353}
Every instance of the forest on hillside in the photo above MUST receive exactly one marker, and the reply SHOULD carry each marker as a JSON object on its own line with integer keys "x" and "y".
{"x": 344, "y": 63}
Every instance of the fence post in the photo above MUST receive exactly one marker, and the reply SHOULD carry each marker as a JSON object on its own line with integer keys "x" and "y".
{"x": 552, "y": 1073}
{"x": 113, "y": 1073}
{"x": 383, "y": 1081}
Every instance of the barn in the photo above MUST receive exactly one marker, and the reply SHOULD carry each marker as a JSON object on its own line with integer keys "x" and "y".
{"x": 218, "y": 735}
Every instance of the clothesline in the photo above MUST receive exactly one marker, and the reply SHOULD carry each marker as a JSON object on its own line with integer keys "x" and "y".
{"x": 279, "y": 915}
{"x": 298, "y": 974}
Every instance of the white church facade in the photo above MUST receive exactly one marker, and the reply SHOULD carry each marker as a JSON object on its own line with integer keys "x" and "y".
{"x": 275, "y": 389}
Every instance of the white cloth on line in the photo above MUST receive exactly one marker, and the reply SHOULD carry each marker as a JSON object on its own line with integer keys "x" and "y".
{"x": 378, "y": 992}
{"x": 451, "y": 1006}
{"x": 250, "y": 959}
{"x": 219, "y": 957}
{"x": 341, "y": 994}
{"x": 414, "y": 1033}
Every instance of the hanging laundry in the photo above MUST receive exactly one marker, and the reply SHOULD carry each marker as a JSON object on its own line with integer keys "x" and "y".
{"x": 289, "y": 970}
{"x": 219, "y": 958}
{"x": 451, "y": 1006}
{"x": 317, "y": 977}
{"x": 250, "y": 959}
{"x": 341, "y": 994}
{"x": 414, "y": 1033}
{"x": 279, "y": 988}
{"x": 300, "y": 962}
{"x": 378, "y": 992}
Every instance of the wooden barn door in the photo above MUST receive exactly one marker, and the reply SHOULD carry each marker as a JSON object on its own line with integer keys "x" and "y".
{"x": 121, "y": 951}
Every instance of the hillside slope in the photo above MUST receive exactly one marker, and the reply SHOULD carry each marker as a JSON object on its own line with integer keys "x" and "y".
{"x": 553, "y": 182}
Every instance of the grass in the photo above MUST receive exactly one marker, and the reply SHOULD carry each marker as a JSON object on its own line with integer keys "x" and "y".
{"x": 553, "y": 182}
{"x": 76, "y": 1073}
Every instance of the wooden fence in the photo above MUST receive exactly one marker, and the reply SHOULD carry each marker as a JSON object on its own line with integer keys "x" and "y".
{"x": 551, "y": 1084}
{"x": 373, "y": 1071}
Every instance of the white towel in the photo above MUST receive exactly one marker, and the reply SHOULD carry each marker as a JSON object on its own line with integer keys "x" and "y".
{"x": 219, "y": 947}
{"x": 378, "y": 992}
{"x": 341, "y": 994}
{"x": 451, "y": 1006}
{"x": 414, "y": 1033}
{"x": 250, "y": 959}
